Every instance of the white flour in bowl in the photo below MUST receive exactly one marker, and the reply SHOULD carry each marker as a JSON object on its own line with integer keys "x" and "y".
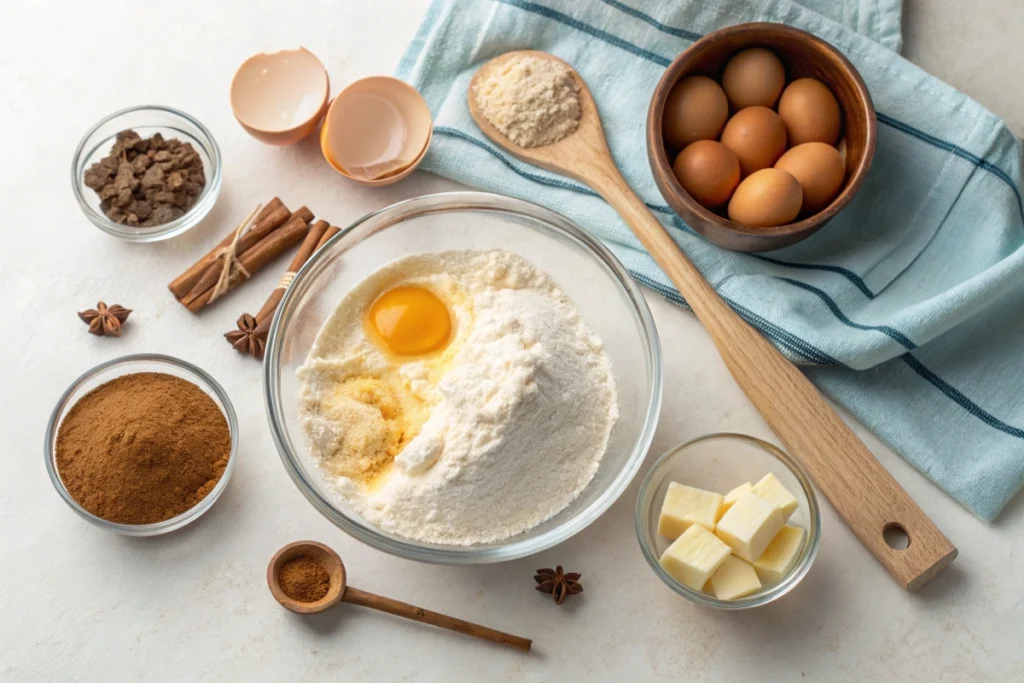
{"x": 491, "y": 437}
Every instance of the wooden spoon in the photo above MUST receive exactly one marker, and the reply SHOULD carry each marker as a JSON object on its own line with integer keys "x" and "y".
{"x": 341, "y": 592}
{"x": 861, "y": 490}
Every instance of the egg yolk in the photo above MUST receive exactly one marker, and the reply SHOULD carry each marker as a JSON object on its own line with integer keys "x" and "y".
{"x": 411, "y": 321}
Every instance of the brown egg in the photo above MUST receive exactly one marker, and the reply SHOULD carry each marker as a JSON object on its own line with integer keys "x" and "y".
{"x": 819, "y": 169}
{"x": 709, "y": 171}
{"x": 766, "y": 199}
{"x": 810, "y": 111}
{"x": 754, "y": 77}
{"x": 696, "y": 109}
{"x": 758, "y": 137}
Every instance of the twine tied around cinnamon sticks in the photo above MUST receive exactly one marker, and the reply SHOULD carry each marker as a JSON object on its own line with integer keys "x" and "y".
{"x": 229, "y": 256}
{"x": 242, "y": 253}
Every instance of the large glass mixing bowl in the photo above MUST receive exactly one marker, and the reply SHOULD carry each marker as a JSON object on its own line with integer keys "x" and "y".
{"x": 581, "y": 266}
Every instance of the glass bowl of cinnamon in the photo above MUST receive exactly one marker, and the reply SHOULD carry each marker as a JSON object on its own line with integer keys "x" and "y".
{"x": 142, "y": 445}
{"x": 143, "y": 215}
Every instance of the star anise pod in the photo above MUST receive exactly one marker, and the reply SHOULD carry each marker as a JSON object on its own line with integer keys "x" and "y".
{"x": 559, "y": 585}
{"x": 105, "y": 321}
{"x": 247, "y": 339}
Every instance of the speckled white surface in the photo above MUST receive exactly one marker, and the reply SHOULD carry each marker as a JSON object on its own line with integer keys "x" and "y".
{"x": 79, "y": 604}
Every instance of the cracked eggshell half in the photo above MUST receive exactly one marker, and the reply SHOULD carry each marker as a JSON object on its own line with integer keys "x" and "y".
{"x": 280, "y": 97}
{"x": 377, "y": 131}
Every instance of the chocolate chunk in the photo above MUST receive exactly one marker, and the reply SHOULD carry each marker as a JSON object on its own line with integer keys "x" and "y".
{"x": 141, "y": 163}
{"x": 164, "y": 214}
{"x": 142, "y": 209}
{"x": 153, "y": 177}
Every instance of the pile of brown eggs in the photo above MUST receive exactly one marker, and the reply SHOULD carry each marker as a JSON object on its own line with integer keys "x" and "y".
{"x": 775, "y": 158}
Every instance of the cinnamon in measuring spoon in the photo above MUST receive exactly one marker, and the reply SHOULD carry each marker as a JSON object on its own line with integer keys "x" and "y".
{"x": 303, "y": 579}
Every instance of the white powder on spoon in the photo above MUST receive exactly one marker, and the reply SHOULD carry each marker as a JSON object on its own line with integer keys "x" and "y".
{"x": 520, "y": 410}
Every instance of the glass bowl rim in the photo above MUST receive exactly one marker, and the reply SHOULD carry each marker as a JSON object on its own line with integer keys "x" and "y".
{"x": 511, "y": 548}
{"x": 795, "y": 575}
{"x": 204, "y": 202}
{"x": 167, "y": 525}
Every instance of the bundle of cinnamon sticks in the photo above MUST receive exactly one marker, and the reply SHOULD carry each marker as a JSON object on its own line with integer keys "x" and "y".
{"x": 272, "y": 230}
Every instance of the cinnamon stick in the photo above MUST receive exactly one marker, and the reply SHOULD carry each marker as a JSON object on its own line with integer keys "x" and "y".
{"x": 257, "y": 256}
{"x": 331, "y": 232}
{"x": 270, "y": 217}
{"x": 309, "y": 245}
{"x": 212, "y": 273}
{"x": 266, "y": 314}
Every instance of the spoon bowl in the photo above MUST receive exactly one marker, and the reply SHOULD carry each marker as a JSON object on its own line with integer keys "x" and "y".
{"x": 573, "y": 155}
{"x": 318, "y": 552}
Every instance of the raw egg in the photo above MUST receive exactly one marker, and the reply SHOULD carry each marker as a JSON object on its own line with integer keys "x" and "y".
{"x": 766, "y": 199}
{"x": 810, "y": 112}
{"x": 410, "y": 321}
{"x": 696, "y": 109}
{"x": 754, "y": 77}
{"x": 818, "y": 168}
{"x": 758, "y": 137}
{"x": 709, "y": 171}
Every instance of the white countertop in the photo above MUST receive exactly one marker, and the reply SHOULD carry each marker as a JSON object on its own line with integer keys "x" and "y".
{"x": 81, "y": 604}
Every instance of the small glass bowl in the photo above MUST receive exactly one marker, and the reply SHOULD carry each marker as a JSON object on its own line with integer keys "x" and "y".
{"x": 721, "y": 462}
{"x": 146, "y": 120}
{"x": 127, "y": 365}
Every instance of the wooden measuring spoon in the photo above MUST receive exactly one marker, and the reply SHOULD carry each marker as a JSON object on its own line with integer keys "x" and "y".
{"x": 341, "y": 592}
{"x": 861, "y": 490}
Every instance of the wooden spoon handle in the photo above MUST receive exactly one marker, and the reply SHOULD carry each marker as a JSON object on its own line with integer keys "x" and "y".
{"x": 861, "y": 490}
{"x": 401, "y": 609}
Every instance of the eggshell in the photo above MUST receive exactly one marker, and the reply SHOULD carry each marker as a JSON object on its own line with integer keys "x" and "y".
{"x": 819, "y": 169}
{"x": 709, "y": 171}
{"x": 758, "y": 137}
{"x": 753, "y": 77}
{"x": 280, "y": 97}
{"x": 376, "y": 131}
{"x": 696, "y": 109}
{"x": 810, "y": 112}
{"x": 766, "y": 199}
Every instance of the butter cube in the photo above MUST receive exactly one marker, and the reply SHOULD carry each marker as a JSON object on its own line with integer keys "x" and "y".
{"x": 772, "y": 490}
{"x": 780, "y": 555}
{"x": 685, "y": 505}
{"x": 749, "y": 526}
{"x": 731, "y": 497}
{"x": 736, "y": 578}
{"x": 694, "y": 557}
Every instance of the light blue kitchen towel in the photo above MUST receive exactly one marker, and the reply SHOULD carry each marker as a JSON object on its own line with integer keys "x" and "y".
{"x": 907, "y": 309}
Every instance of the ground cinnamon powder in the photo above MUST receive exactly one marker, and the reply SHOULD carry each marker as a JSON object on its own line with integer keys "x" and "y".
{"x": 142, "y": 448}
{"x": 304, "y": 579}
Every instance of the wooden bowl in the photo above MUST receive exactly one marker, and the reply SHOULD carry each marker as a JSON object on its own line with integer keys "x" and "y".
{"x": 803, "y": 55}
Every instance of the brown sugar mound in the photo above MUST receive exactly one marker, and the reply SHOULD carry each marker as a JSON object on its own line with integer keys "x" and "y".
{"x": 304, "y": 579}
{"x": 142, "y": 448}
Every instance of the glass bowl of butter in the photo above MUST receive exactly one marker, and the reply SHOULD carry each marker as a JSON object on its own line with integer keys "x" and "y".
{"x": 728, "y": 521}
